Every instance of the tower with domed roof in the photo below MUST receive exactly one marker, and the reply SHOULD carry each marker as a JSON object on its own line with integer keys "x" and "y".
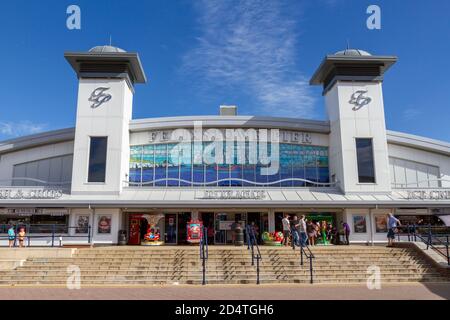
{"x": 107, "y": 76}
{"x": 352, "y": 87}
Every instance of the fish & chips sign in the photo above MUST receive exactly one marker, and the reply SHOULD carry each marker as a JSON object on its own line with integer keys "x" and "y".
{"x": 24, "y": 194}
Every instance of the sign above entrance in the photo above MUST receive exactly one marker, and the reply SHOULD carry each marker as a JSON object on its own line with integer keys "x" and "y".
{"x": 428, "y": 195}
{"x": 234, "y": 194}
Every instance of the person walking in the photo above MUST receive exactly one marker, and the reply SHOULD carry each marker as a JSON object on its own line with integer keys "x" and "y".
{"x": 21, "y": 237}
{"x": 302, "y": 231}
{"x": 294, "y": 232}
{"x": 286, "y": 229}
{"x": 11, "y": 236}
{"x": 311, "y": 233}
{"x": 392, "y": 223}
{"x": 346, "y": 230}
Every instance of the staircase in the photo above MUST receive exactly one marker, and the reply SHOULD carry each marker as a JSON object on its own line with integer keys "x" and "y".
{"x": 226, "y": 265}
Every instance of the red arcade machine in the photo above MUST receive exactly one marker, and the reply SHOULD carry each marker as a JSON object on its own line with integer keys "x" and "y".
{"x": 194, "y": 231}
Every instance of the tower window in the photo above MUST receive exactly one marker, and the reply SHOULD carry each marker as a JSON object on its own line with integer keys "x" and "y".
{"x": 97, "y": 159}
{"x": 364, "y": 154}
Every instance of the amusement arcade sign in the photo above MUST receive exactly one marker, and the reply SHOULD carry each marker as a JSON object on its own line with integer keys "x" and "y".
{"x": 234, "y": 194}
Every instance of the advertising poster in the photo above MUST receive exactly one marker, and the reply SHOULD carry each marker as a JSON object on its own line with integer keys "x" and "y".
{"x": 380, "y": 223}
{"x": 359, "y": 224}
{"x": 82, "y": 224}
{"x": 104, "y": 224}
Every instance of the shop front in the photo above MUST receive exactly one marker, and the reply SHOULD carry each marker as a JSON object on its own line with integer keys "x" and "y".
{"x": 158, "y": 228}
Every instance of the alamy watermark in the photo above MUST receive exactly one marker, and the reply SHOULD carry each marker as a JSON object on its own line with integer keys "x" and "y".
{"x": 374, "y": 279}
{"x": 374, "y": 20}
{"x": 74, "y": 277}
{"x": 73, "y": 21}
{"x": 236, "y": 146}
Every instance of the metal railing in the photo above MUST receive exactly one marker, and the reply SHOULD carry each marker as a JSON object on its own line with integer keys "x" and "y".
{"x": 204, "y": 252}
{"x": 54, "y": 234}
{"x": 304, "y": 251}
{"x": 252, "y": 243}
{"x": 430, "y": 235}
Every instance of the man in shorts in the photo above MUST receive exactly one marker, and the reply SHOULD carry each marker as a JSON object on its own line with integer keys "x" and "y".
{"x": 392, "y": 223}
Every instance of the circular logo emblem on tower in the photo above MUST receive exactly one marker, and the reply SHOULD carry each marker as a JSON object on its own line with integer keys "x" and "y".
{"x": 99, "y": 97}
{"x": 359, "y": 99}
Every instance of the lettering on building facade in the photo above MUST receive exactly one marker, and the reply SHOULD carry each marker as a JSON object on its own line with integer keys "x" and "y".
{"x": 233, "y": 194}
{"x": 428, "y": 195}
{"x": 23, "y": 194}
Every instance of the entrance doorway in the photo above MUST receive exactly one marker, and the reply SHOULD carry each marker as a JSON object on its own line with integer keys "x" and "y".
{"x": 208, "y": 222}
{"x": 183, "y": 219}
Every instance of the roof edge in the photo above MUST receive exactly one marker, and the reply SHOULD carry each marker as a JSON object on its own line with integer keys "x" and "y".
{"x": 418, "y": 142}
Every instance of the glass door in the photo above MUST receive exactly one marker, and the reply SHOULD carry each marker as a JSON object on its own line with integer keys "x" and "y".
{"x": 170, "y": 228}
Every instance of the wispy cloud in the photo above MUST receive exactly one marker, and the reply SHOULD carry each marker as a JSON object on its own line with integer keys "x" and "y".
{"x": 15, "y": 129}
{"x": 411, "y": 114}
{"x": 250, "y": 46}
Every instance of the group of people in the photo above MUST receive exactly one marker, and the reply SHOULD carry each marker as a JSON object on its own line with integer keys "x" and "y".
{"x": 20, "y": 236}
{"x": 303, "y": 232}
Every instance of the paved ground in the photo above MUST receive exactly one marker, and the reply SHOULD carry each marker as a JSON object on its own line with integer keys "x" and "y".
{"x": 231, "y": 292}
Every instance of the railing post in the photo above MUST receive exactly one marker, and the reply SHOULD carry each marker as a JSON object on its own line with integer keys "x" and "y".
{"x": 429, "y": 236}
{"x": 257, "y": 269}
{"x": 311, "y": 268}
{"x": 89, "y": 234}
{"x": 301, "y": 256}
{"x": 448, "y": 257}
{"x": 53, "y": 235}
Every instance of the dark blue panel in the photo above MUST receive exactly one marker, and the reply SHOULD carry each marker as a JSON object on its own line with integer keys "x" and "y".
{"x": 223, "y": 173}
{"x": 160, "y": 173}
{"x": 211, "y": 175}
{"x": 236, "y": 172}
{"x": 199, "y": 174}
{"x": 259, "y": 177}
{"x": 186, "y": 174}
{"x": 249, "y": 174}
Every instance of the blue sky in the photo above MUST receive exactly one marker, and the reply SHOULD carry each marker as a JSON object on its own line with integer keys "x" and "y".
{"x": 200, "y": 54}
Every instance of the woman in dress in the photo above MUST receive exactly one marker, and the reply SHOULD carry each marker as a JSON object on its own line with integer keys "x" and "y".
{"x": 324, "y": 232}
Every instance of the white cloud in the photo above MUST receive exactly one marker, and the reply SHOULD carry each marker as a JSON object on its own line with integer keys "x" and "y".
{"x": 15, "y": 129}
{"x": 411, "y": 113}
{"x": 250, "y": 46}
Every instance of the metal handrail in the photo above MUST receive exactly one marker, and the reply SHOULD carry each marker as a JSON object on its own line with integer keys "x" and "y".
{"x": 309, "y": 256}
{"x": 302, "y": 247}
{"x": 204, "y": 252}
{"x": 251, "y": 244}
{"x": 427, "y": 239}
{"x": 53, "y": 235}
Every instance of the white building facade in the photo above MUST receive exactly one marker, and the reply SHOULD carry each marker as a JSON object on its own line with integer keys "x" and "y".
{"x": 112, "y": 172}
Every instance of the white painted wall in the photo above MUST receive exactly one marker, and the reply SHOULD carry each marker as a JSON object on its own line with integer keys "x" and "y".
{"x": 425, "y": 157}
{"x": 111, "y": 119}
{"x": 7, "y": 161}
{"x": 348, "y": 124}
